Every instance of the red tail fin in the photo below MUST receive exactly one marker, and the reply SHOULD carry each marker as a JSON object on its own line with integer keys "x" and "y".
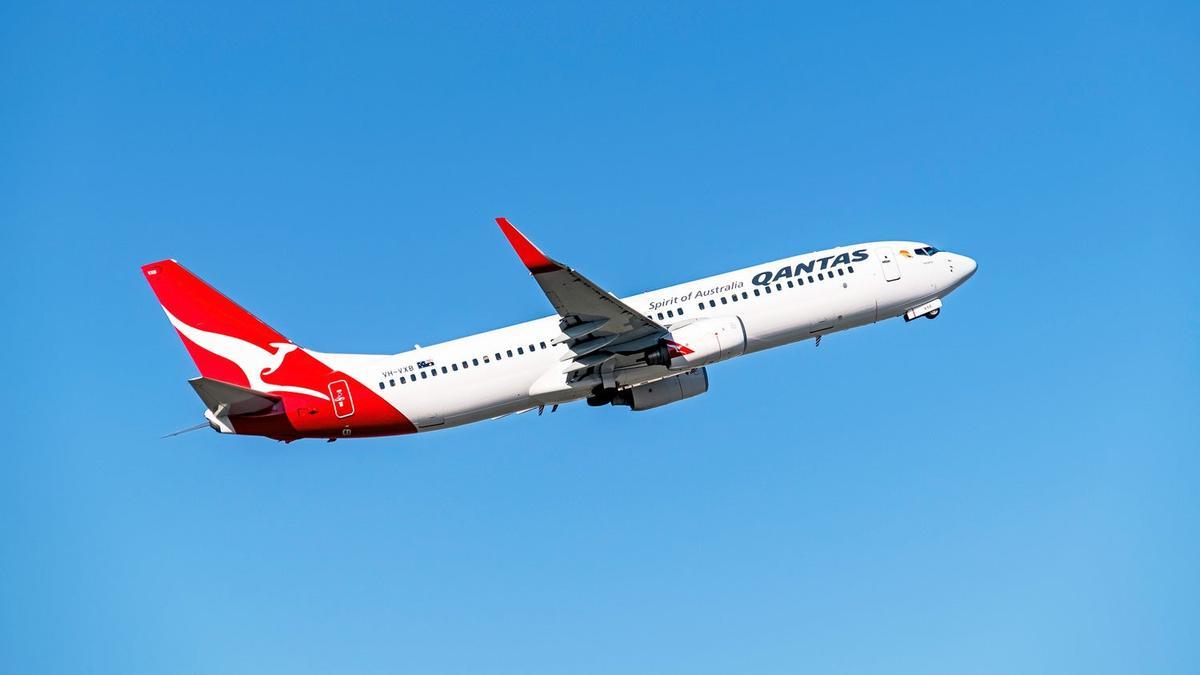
{"x": 226, "y": 342}
{"x": 232, "y": 346}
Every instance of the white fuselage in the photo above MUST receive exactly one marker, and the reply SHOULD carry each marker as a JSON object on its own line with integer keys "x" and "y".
{"x": 505, "y": 370}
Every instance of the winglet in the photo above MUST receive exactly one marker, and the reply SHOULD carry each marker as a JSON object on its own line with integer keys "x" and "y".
{"x": 530, "y": 255}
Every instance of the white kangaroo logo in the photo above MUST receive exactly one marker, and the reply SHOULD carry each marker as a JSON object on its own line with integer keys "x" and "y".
{"x": 252, "y": 359}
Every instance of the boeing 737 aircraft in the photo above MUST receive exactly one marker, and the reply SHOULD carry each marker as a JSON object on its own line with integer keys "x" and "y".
{"x": 643, "y": 351}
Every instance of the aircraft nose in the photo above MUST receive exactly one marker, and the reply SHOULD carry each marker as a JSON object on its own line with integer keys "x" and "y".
{"x": 960, "y": 268}
{"x": 968, "y": 267}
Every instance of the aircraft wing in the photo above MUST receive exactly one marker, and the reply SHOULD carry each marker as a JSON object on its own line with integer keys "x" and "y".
{"x": 585, "y": 308}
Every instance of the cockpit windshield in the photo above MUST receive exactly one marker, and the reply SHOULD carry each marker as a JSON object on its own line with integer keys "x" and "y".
{"x": 928, "y": 250}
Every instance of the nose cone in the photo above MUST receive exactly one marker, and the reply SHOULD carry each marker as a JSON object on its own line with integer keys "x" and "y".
{"x": 968, "y": 267}
{"x": 959, "y": 268}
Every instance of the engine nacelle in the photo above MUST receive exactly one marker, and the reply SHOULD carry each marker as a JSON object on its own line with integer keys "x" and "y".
{"x": 699, "y": 343}
{"x": 662, "y": 392}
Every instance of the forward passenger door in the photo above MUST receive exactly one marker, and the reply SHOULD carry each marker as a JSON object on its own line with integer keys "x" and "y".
{"x": 887, "y": 259}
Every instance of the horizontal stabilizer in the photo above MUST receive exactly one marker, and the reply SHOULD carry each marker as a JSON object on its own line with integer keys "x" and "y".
{"x": 236, "y": 400}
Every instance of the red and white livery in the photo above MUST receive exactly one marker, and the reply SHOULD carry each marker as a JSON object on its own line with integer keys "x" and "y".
{"x": 642, "y": 351}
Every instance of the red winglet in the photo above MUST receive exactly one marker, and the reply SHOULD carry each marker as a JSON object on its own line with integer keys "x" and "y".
{"x": 533, "y": 258}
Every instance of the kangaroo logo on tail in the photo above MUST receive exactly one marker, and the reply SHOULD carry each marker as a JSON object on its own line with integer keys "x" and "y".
{"x": 254, "y": 361}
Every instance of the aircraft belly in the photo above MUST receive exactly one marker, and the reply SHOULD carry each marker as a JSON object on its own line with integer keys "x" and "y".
{"x": 808, "y": 315}
{"x": 488, "y": 398}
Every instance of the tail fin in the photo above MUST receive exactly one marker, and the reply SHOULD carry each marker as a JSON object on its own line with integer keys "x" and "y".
{"x": 226, "y": 342}
{"x": 235, "y": 352}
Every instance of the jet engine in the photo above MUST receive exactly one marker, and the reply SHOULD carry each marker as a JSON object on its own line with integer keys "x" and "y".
{"x": 699, "y": 343}
{"x": 662, "y": 392}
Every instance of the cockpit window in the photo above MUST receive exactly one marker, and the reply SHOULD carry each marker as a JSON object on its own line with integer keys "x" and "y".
{"x": 928, "y": 250}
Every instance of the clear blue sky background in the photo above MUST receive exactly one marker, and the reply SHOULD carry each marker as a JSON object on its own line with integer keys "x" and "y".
{"x": 1010, "y": 488}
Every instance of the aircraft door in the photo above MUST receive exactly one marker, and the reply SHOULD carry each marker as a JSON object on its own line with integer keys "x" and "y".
{"x": 339, "y": 396}
{"x": 887, "y": 259}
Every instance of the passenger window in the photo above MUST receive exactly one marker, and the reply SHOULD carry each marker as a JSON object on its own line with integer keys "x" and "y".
{"x": 497, "y": 356}
{"x": 820, "y": 276}
{"x": 701, "y": 305}
{"x": 671, "y": 313}
{"x": 424, "y": 374}
{"x": 841, "y": 272}
{"x": 799, "y": 281}
{"x": 745, "y": 295}
{"x": 520, "y": 350}
{"x": 724, "y": 300}
{"x": 733, "y": 297}
{"x": 779, "y": 287}
{"x": 454, "y": 367}
{"x": 790, "y": 284}
{"x": 767, "y": 289}
{"x": 757, "y": 292}
{"x": 850, "y": 269}
{"x": 712, "y": 303}
{"x": 403, "y": 380}
{"x": 660, "y": 316}
{"x": 464, "y": 365}
{"x": 391, "y": 383}
{"x": 433, "y": 373}
{"x": 382, "y": 385}
{"x": 810, "y": 279}
{"x": 680, "y": 311}
{"x": 531, "y": 348}
{"x": 542, "y": 344}
{"x": 486, "y": 359}
{"x": 509, "y": 352}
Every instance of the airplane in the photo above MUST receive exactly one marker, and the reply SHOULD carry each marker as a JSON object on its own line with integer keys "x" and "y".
{"x": 641, "y": 352}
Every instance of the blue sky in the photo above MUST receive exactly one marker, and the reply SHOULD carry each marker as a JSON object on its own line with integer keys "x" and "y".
{"x": 1010, "y": 488}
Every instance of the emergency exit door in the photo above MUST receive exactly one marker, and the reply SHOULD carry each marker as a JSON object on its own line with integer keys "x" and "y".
{"x": 887, "y": 259}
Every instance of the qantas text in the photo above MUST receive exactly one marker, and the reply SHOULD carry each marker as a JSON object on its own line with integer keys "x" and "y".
{"x": 768, "y": 277}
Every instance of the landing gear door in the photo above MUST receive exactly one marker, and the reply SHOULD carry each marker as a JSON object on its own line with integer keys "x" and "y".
{"x": 887, "y": 259}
